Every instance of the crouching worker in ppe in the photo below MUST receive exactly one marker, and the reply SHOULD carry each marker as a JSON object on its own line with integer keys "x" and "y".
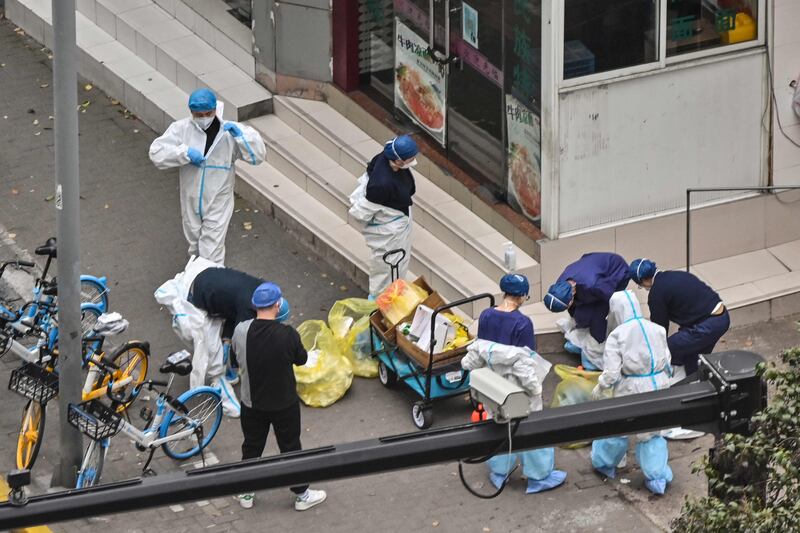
{"x": 635, "y": 360}
{"x": 382, "y": 202}
{"x": 584, "y": 289}
{"x": 505, "y": 344}
{"x": 204, "y": 148}
{"x": 227, "y": 293}
{"x": 199, "y": 330}
{"x": 680, "y": 297}
{"x": 268, "y": 351}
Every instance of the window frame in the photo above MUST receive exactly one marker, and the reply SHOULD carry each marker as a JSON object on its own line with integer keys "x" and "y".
{"x": 654, "y": 66}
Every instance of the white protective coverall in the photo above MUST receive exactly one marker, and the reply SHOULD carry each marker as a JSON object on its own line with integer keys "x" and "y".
{"x": 526, "y": 368}
{"x": 199, "y": 332}
{"x": 384, "y": 229}
{"x": 591, "y": 350}
{"x": 636, "y": 360}
{"x": 206, "y": 191}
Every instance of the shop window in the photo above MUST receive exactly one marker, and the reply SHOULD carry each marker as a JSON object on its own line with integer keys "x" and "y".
{"x": 694, "y": 25}
{"x": 608, "y": 35}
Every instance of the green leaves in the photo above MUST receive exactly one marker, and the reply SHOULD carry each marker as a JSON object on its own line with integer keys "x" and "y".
{"x": 754, "y": 480}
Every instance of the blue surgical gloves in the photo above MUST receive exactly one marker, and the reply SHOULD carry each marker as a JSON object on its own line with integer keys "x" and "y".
{"x": 195, "y": 156}
{"x": 233, "y": 129}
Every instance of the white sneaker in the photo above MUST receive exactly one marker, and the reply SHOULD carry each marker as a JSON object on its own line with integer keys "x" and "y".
{"x": 246, "y": 499}
{"x": 309, "y": 499}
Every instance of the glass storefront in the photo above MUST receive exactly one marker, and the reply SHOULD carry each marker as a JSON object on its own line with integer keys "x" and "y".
{"x": 474, "y": 88}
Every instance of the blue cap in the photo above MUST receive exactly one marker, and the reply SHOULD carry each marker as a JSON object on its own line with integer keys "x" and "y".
{"x": 402, "y": 147}
{"x": 266, "y": 295}
{"x": 642, "y": 269}
{"x": 558, "y": 296}
{"x": 284, "y": 311}
{"x": 202, "y": 100}
{"x": 515, "y": 285}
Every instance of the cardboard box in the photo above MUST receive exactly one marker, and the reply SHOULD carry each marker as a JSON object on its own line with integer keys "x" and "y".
{"x": 386, "y": 331}
{"x": 422, "y": 357}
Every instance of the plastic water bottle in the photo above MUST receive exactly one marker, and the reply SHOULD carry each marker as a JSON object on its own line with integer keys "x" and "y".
{"x": 510, "y": 257}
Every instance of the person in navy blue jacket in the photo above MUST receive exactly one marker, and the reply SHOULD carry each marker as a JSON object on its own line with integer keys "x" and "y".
{"x": 680, "y": 297}
{"x": 584, "y": 289}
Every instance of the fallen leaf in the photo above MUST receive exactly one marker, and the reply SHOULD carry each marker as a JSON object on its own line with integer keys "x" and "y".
{"x": 435, "y": 523}
{"x": 247, "y": 225}
{"x": 105, "y": 206}
{"x": 51, "y": 117}
{"x": 86, "y": 104}
{"x": 44, "y": 85}
{"x": 487, "y": 529}
{"x": 135, "y": 131}
{"x": 748, "y": 343}
{"x": 12, "y": 235}
{"x": 88, "y": 87}
{"x": 35, "y": 121}
{"x": 324, "y": 275}
{"x": 255, "y": 210}
{"x": 49, "y": 198}
{"x": 83, "y": 111}
{"x": 114, "y": 102}
{"x": 49, "y": 56}
{"x": 14, "y": 191}
{"x": 342, "y": 288}
{"x": 2, "y": 65}
{"x": 236, "y": 210}
{"x": 38, "y": 133}
{"x": 5, "y": 117}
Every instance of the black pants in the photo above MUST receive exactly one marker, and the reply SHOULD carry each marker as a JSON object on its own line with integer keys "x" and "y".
{"x": 255, "y": 427}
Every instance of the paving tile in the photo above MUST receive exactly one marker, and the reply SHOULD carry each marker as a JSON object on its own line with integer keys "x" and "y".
{"x": 780, "y": 284}
{"x": 272, "y": 127}
{"x": 740, "y": 269}
{"x": 740, "y": 295}
{"x": 246, "y": 94}
{"x": 229, "y": 76}
{"x": 788, "y": 254}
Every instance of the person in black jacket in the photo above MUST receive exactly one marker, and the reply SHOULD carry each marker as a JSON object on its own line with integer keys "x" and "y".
{"x": 226, "y": 293}
{"x": 267, "y": 351}
{"x": 383, "y": 203}
{"x": 680, "y": 297}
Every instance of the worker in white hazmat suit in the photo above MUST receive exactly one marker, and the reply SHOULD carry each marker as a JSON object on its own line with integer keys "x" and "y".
{"x": 636, "y": 360}
{"x": 382, "y": 202}
{"x": 200, "y": 332}
{"x": 205, "y": 147}
{"x": 523, "y": 367}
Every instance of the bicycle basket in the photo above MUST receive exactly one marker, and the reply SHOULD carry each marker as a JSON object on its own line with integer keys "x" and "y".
{"x": 94, "y": 419}
{"x": 34, "y": 382}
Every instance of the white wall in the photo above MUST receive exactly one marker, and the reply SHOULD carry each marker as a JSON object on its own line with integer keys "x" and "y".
{"x": 632, "y": 147}
{"x": 786, "y": 64}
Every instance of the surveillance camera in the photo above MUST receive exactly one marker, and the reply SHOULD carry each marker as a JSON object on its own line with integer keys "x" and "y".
{"x": 502, "y": 399}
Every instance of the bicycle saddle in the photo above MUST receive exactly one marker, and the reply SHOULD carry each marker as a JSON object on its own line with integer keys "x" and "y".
{"x": 49, "y": 248}
{"x": 51, "y": 289}
{"x": 177, "y": 363}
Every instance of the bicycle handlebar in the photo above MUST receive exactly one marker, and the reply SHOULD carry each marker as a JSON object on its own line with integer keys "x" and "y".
{"x": 18, "y": 263}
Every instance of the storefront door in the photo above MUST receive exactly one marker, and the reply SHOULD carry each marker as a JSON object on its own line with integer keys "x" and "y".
{"x": 475, "y": 90}
{"x": 474, "y": 87}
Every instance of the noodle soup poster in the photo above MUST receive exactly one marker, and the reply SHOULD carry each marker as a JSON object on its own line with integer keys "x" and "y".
{"x": 420, "y": 84}
{"x": 524, "y": 158}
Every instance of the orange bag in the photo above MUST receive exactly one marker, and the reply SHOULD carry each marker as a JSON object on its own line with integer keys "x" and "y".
{"x": 399, "y": 300}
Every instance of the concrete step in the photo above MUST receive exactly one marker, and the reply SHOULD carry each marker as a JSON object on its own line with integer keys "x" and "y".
{"x": 444, "y": 269}
{"x": 181, "y": 56}
{"x": 209, "y": 20}
{"x": 341, "y": 145}
{"x": 108, "y": 64}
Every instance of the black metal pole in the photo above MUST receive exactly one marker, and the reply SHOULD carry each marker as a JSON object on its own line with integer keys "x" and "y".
{"x": 695, "y": 405}
{"x": 688, "y": 229}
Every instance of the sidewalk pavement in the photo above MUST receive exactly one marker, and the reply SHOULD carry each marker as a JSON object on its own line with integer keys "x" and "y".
{"x": 131, "y": 232}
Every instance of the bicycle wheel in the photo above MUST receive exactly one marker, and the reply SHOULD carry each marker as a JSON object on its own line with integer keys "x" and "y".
{"x": 131, "y": 360}
{"x": 89, "y": 315}
{"x": 204, "y": 410}
{"x": 92, "y": 464}
{"x": 94, "y": 292}
{"x": 31, "y": 434}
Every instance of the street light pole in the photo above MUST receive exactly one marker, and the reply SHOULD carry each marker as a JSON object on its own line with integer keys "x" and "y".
{"x": 65, "y": 97}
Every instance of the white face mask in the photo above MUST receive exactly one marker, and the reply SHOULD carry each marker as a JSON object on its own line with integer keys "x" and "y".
{"x": 410, "y": 164}
{"x": 203, "y": 122}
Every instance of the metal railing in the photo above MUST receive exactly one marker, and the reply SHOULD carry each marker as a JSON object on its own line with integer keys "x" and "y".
{"x": 719, "y": 189}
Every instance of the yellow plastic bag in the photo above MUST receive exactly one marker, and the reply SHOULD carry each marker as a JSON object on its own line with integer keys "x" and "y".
{"x": 575, "y": 387}
{"x": 462, "y": 332}
{"x": 327, "y": 375}
{"x": 349, "y": 322}
{"x": 399, "y": 300}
